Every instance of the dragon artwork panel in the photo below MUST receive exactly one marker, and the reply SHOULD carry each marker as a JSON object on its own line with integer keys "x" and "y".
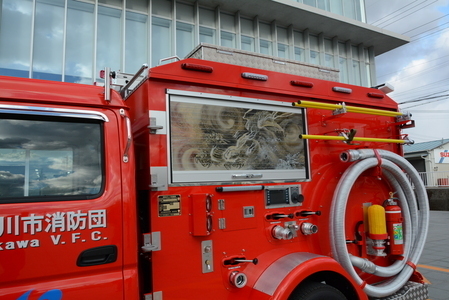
{"x": 239, "y": 137}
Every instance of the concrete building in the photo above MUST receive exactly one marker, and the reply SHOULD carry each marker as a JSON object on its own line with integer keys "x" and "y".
{"x": 71, "y": 40}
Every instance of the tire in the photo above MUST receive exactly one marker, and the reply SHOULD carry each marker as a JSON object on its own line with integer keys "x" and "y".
{"x": 312, "y": 290}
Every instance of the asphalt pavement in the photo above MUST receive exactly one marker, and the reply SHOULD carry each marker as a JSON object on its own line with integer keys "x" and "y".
{"x": 434, "y": 262}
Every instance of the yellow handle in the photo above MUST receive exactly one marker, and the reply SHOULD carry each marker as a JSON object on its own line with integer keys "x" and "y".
{"x": 356, "y": 139}
{"x": 355, "y": 109}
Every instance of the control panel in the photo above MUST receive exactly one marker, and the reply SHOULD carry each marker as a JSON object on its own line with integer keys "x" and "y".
{"x": 283, "y": 196}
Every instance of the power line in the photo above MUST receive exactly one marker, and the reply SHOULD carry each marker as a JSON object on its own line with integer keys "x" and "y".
{"x": 437, "y": 100}
{"x": 421, "y": 88}
{"x": 383, "y": 26}
{"x": 427, "y": 35}
{"x": 426, "y": 24}
{"x": 425, "y": 98}
{"x": 393, "y": 13}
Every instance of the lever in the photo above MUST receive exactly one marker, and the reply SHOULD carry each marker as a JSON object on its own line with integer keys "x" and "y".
{"x": 281, "y": 216}
{"x": 254, "y": 261}
{"x": 309, "y": 213}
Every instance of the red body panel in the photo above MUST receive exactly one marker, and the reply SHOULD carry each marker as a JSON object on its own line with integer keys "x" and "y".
{"x": 36, "y": 259}
{"x": 205, "y": 232}
{"x": 176, "y": 269}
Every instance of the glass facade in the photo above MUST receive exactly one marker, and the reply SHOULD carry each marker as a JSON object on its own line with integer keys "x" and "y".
{"x": 353, "y": 9}
{"x": 72, "y": 40}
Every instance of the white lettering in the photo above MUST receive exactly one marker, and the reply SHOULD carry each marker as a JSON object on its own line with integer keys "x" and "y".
{"x": 55, "y": 221}
{"x": 17, "y": 226}
{"x": 34, "y": 243}
{"x": 22, "y": 244}
{"x": 55, "y": 239}
{"x": 97, "y": 218}
{"x": 19, "y": 244}
{"x": 10, "y": 246}
{"x": 96, "y": 235}
{"x": 32, "y": 223}
{"x": 9, "y": 225}
{"x": 75, "y": 236}
{"x": 76, "y": 220}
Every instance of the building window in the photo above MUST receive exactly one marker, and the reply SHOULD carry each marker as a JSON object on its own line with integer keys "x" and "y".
{"x": 357, "y": 79}
{"x": 266, "y": 45}
{"x": 227, "y": 30}
{"x": 108, "y": 34}
{"x": 79, "y": 42}
{"x": 207, "y": 23}
{"x": 367, "y": 66}
{"x": 185, "y": 41}
{"x": 299, "y": 45}
{"x": 15, "y": 41}
{"x": 247, "y": 35}
{"x": 342, "y": 63}
{"x": 137, "y": 5}
{"x": 314, "y": 50}
{"x": 136, "y": 41}
{"x": 349, "y": 8}
{"x": 48, "y": 40}
{"x": 283, "y": 43}
{"x": 161, "y": 33}
{"x": 328, "y": 53}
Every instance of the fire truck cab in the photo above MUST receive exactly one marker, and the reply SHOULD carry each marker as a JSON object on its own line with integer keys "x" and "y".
{"x": 207, "y": 180}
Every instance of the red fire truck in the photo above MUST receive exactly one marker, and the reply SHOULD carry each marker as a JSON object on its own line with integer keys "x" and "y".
{"x": 207, "y": 180}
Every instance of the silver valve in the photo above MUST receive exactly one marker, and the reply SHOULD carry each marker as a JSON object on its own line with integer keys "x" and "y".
{"x": 294, "y": 229}
{"x": 308, "y": 228}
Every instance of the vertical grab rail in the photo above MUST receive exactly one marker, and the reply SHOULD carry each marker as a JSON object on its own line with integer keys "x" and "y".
{"x": 129, "y": 135}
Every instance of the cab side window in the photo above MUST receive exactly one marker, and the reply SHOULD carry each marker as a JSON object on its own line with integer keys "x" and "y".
{"x": 49, "y": 159}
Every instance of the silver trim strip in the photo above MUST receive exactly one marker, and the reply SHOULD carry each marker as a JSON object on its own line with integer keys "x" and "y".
{"x": 52, "y": 111}
{"x": 228, "y": 97}
{"x": 271, "y": 279}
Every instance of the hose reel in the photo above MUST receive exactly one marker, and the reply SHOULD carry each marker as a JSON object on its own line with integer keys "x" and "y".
{"x": 415, "y": 213}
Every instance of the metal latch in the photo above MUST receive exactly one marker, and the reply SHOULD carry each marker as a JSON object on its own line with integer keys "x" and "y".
{"x": 158, "y": 119}
{"x": 153, "y": 127}
{"x": 151, "y": 242}
{"x": 159, "y": 178}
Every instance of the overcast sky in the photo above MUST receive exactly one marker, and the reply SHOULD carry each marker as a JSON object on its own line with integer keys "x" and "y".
{"x": 420, "y": 69}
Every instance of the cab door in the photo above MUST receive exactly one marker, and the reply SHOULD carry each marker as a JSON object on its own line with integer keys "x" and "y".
{"x": 60, "y": 204}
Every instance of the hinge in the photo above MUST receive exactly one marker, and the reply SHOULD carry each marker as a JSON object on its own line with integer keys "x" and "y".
{"x": 222, "y": 223}
{"x": 151, "y": 242}
{"x": 221, "y": 204}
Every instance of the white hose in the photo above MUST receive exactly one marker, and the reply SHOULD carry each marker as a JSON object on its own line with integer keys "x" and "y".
{"x": 415, "y": 212}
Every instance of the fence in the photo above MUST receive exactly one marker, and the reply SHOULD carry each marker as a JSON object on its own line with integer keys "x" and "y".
{"x": 435, "y": 179}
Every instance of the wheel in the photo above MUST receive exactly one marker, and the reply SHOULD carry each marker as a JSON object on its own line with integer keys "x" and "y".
{"x": 312, "y": 290}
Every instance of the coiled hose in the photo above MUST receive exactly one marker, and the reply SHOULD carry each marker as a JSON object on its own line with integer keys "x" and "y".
{"x": 415, "y": 212}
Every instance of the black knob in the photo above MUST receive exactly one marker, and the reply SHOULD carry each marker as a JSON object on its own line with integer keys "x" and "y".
{"x": 297, "y": 198}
